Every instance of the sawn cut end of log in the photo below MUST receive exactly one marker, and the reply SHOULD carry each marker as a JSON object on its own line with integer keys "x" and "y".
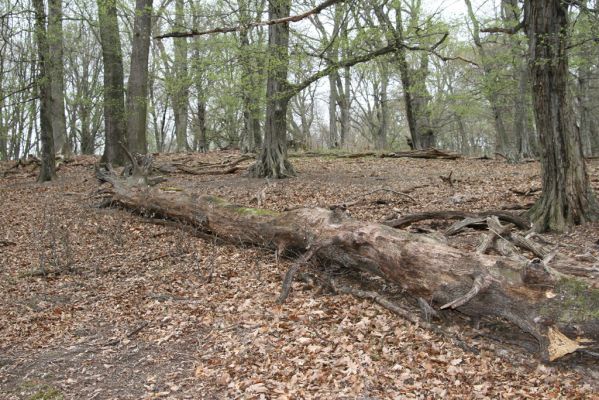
{"x": 552, "y": 310}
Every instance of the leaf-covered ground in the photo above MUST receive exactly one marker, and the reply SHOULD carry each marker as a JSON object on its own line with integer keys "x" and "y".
{"x": 130, "y": 309}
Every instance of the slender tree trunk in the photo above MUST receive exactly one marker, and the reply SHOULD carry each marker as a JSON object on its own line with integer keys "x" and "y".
{"x": 344, "y": 105}
{"x": 585, "y": 108}
{"x": 333, "y": 99}
{"x": 137, "y": 86}
{"x": 272, "y": 162}
{"x": 567, "y": 197}
{"x": 521, "y": 110}
{"x": 114, "y": 92}
{"x": 56, "y": 72}
{"x": 180, "y": 69}
{"x": 382, "y": 109}
{"x": 32, "y": 115}
{"x": 248, "y": 137}
{"x": 3, "y": 127}
{"x": 413, "y": 83}
{"x": 44, "y": 83}
{"x": 511, "y": 16}
{"x": 202, "y": 140}
{"x": 344, "y": 89}
{"x": 503, "y": 143}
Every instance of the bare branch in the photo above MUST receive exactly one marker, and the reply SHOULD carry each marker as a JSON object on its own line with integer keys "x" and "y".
{"x": 284, "y": 20}
{"x": 298, "y": 87}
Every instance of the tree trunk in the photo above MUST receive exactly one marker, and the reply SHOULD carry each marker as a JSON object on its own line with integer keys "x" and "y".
{"x": 3, "y": 126}
{"x": 531, "y": 296}
{"x": 567, "y": 197}
{"x": 344, "y": 105}
{"x": 382, "y": 109}
{"x": 137, "y": 86}
{"x": 421, "y": 99}
{"x": 272, "y": 162}
{"x": 56, "y": 72}
{"x": 181, "y": 93}
{"x": 114, "y": 92}
{"x": 511, "y": 16}
{"x": 250, "y": 100}
{"x": 504, "y": 145}
{"x": 413, "y": 81}
{"x": 521, "y": 110}
{"x": 44, "y": 84}
{"x": 333, "y": 99}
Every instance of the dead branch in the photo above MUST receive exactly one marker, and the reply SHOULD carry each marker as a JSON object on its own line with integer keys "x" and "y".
{"x": 517, "y": 220}
{"x": 447, "y": 179}
{"x": 404, "y": 314}
{"x": 360, "y": 198}
{"x": 285, "y": 20}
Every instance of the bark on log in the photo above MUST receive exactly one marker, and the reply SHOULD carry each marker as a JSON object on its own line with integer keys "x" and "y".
{"x": 560, "y": 311}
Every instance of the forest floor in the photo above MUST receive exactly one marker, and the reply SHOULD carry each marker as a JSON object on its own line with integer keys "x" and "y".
{"x": 128, "y": 309}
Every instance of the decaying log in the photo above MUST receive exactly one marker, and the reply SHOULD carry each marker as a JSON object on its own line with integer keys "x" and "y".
{"x": 360, "y": 198}
{"x": 560, "y": 312}
{"x": 223, "y": 168}
{"x": 430, "y": 153}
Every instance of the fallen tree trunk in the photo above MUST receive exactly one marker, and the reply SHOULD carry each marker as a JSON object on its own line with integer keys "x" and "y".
{"x": 430, "y": 153}
{"x": 560, "y": 311}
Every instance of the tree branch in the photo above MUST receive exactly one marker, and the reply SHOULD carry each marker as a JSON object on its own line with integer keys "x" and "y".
{"x": 298, "y": 87}
{"x": 509, "y": 31}
{"x": 284, "y": 20}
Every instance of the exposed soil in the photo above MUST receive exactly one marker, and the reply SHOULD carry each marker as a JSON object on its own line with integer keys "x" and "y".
{"x": 101, "y": 304}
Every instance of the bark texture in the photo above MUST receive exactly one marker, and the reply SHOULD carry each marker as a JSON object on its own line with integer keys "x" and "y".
{"x": 44, "y": 85}
{"x": 114, "y": 92}
{"x": 530, "y": 295}
{"x": 56, "y": 72}
{"x": 272, "y": 161}
{"x": 181, "y": 83}
{"x": 567, "y": 197}
{"x": 137, "y": 86}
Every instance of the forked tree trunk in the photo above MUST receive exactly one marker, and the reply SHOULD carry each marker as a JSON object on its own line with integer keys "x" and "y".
{"x": 531, "y": 296}
{"x": 567, "y": 197}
